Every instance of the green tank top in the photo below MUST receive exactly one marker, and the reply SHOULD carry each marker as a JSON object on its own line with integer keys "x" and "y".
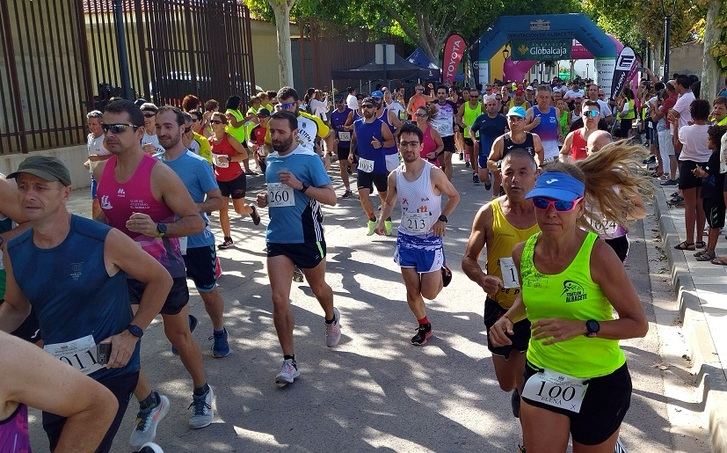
{"x": 470, "y": 115}
{"x": 564, "y": 126}
{"x": 571, "y": 294}
{"x": 630, "y": 112}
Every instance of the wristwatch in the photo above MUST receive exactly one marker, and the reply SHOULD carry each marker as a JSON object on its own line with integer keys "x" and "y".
{"x": 304, "y": 188}
{"x": 592, "y": 328}
{"x": 135, "y": 330}
{"x": 161, "y": 229}
{"x": 443, "y": 218}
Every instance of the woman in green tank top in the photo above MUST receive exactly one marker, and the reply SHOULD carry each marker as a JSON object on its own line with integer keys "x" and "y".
{"x": 577, "y": 383}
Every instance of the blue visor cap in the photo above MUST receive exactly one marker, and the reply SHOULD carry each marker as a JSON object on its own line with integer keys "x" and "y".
{"x": 377, "y": 94}
{"x": 558, "y": 186}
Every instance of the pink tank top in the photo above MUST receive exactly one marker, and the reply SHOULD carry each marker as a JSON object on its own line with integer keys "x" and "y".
{"x": 119, "y": 200}
{"x": 429, "y": 146}
{"x": 14, "y": 432}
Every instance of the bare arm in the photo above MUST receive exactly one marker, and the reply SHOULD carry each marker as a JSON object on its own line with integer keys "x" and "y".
{"x": 387, "y": 136}
{"x": 531, "y": 120}
{"x": 37, "y": 379}
{"x": 237, "y": 146}
{"x": 438, "y": 141}
{"x": 481, "y": 227}
{"x": 394, "y": 119}
{"x": 498, "y": 147}
{"x": 172, "y": 191}
{"x": 16, "y": 306}
{"x": 214, "y": 202}
{"x": 10, "y": 201}
{"x": 565, "y": 150}
{"x": 539, "y": 151}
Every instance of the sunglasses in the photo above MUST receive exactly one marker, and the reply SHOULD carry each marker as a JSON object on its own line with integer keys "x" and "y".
{"x": 119, "y": 128}
{"x": 150, "y": 115}
{"x": 216, "y": 122}
{"x": 591, "y": 113}
{"x": 559, "y": 205}
{"x": 287, "y": 105}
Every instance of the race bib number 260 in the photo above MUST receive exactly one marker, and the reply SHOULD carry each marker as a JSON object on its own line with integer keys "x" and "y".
{"x": 280, "y": 195}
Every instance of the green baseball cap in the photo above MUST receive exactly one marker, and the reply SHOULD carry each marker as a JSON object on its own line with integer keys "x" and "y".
{"x": 45, "y": 167}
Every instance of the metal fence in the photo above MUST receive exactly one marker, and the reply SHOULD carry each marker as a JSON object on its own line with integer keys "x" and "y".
{"x": 59, "y": 58}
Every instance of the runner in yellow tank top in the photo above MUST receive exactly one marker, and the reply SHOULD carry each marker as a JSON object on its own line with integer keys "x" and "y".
{"x": 576, "y": 380}
{"x": 466, "y": 116}
{"x": 500, "y": 225}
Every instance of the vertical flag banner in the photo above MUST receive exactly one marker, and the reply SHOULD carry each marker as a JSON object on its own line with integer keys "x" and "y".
{"x": 625, "y": 62}
{"x": 454, "y": 49}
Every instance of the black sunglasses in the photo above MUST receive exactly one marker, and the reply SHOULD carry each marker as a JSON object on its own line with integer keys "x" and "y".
{"x": 118, "y": 128}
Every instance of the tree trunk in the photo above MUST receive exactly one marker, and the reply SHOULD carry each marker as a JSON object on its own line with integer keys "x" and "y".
{"x": 710, "y": 69}
{"x": 281, "y": 9}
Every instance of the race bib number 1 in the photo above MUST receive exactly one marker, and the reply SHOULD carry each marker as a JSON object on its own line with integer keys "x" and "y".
{"x": 80, "y": 354}
{"x": 280, "y": 195}
{"x": 509, "y": 273}
{"x": 556, "y": 389}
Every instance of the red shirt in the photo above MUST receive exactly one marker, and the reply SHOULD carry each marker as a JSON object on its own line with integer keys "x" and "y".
{"x": 578, "y": 146}
{"x": 223, "y": 147}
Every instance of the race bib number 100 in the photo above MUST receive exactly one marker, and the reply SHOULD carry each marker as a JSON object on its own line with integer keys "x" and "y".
{"x": 556, "y": 389}
{"x": 80, "y": 354}
{"x": 280, "y": 195}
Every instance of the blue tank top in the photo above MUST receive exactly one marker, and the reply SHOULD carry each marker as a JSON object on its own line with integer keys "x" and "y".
{"x": 547, "y": 130}
{"x": 338, "y": 120}
{"x": 388, "y": 150}
{"x": 365, "y": 132}
{"x": 70, "y": 291}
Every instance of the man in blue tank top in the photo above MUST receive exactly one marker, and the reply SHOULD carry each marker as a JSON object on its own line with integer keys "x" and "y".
{"x": 370, "y": 138}
{"x": 418, "y": 187}
{"x": 81, "y": 298}
{"x": 340, "y": 117}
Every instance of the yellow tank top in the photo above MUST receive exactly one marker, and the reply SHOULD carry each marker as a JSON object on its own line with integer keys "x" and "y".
{"x": 470, "y": 115}
{"x": 505, "y": 238}
{"x": 571, "y": 294}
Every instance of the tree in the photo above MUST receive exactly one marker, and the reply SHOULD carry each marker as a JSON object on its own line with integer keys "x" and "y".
{"x": 713, "y": 61}
{"x": 281, "y": 10}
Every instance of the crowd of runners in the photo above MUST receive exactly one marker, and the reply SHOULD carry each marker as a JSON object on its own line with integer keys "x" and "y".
{"x": 554, "y": 237}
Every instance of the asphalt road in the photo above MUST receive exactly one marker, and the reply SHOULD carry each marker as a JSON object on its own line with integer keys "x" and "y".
{"x": 375, "y": 392}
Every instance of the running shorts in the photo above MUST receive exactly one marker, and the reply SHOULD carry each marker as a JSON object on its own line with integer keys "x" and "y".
{"x": 235, "y": 188}
{"x": 521, "y": 330}
{"x": 200, "y": 264}
{"x": 305, "y": 255}
{"x": 423, "y": 261}
{"x": 448, "y": 142}
{"x": 176, "y": 300}
{"x": 368, "y": 180}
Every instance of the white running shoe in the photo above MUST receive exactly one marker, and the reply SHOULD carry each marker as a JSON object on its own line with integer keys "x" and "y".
{"x": 202, "y": 412}
{"x": 333, "y": 330}
{"x": 145, "y": 428}
{"x": 288, "y": 373}
{"x": 150, "y": 447}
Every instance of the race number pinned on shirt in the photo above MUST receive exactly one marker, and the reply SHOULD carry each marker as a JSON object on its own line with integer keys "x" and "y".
{"x": 365, "y": 165}
{"x": 183, "y": 244}
{"x": 509, "y": 273}
{"x": 344, "y": 136}
{"x": 416, "y": 222}
{"x": 556, "y": 389}
{"x": 280, "y": 195}
{"x": 80, "y": 354}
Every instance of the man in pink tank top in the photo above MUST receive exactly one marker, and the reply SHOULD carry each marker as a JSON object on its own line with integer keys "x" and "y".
{"x": 145, "y": 199}
{"x": 574, "y": 145}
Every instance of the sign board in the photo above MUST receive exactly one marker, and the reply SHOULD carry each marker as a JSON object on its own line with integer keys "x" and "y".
{"x": 541, "y": 50}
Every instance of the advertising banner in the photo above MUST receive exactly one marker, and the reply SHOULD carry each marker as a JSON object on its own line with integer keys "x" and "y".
{"x": 454, "y": 49}
{"x": 625, "y": 62}
{"x": 541, "y": 50}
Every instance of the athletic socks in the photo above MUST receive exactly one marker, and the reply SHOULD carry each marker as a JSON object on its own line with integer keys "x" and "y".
{"x": 202, "y": 390}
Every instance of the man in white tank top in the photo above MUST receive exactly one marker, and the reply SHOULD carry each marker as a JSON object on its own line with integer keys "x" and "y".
{"x": 418, "y": 186}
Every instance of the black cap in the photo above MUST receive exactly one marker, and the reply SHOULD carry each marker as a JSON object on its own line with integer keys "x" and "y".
{"x": 45, "y": 167}
{"x": 263, "y": 112}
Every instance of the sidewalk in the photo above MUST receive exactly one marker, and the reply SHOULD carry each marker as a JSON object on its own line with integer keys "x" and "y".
{"x": 701, "y": 289}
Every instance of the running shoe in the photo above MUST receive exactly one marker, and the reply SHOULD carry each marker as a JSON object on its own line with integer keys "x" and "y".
{"x": 650, "y": 160}
{"x": 333, "y": 330}
{"x": 475, "y": 178}
{"x": 254, "y": 215}
{"x": 347, "y": 194}
{"x": 388, "y": 227}
{"x": 297, "y": 275}
{"x": 227, "y": 244}
{"x": 288, "y": 372}
{"x": 669, "y": 182}
{"x": 424, "y": 332}
{"x": 446, "y": 276}
{"x": 147, "y": 421}
{"x": 619, "y": 448}
{"x": 150, "y": 447}
{"x": 488, "y": 185}
{"x": 467, "y": 164}
{"x": 192, "y": 325}
{"x": 202, "y": 412}
{"x": 371, "y": 226}
{"x": 220, "y": 347}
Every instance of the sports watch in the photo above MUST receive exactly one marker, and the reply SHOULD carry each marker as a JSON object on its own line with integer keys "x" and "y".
{"x": 443, "y": 218}
{"x": 161, "y": 229}
{"x": 135, "y": 330}
{"x": 592, "y": 328}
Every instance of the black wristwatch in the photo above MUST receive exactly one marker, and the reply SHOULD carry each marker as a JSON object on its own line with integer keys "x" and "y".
{"x": 304, "y": 188}
{"x": 161, "y": 229}
{"x": 443, "y": 218}
{"x": 592, "y": 328}
{"x": 135, "y": 330}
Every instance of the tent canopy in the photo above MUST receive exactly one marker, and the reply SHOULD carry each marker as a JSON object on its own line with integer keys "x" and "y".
{"x": 401, "y": 69}
{"x": 420, "y": 58}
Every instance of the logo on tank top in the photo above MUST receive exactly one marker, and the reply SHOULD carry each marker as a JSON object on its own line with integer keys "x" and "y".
{"x": 121, "y": 193}
{"x": 573, "y": 292}
{"x": 76, "y": 269}
{"x": 105, "y": 203}
{"x": 139, "y": 205}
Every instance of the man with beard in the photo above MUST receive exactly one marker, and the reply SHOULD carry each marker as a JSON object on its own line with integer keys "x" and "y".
{"x": 444, "y": 124}
{"x": 370, "y": 138}
{"x": 144, "y": 199}
{"x": 499, "y": 226}
{"x": 297, "y": 184}
{"x": 418, "y": 187}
